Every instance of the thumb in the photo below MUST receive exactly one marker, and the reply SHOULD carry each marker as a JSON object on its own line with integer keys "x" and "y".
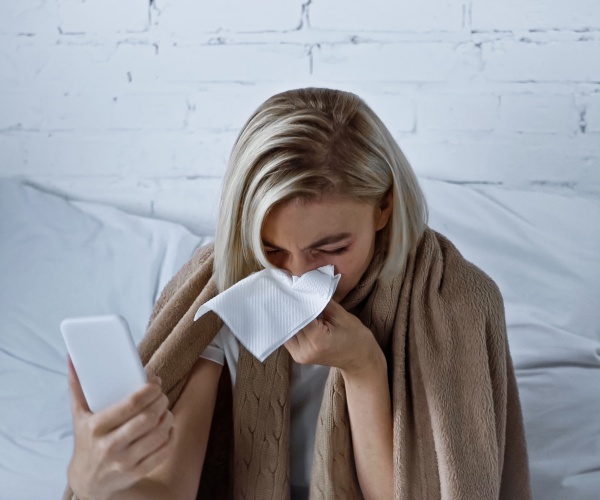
{"x": 78, "y": 402}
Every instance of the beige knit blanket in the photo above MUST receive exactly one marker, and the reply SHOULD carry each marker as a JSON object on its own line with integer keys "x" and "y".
{"x": 458, "y": 430}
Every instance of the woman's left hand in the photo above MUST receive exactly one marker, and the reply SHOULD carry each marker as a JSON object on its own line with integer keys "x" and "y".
{"x": 336, "y": 338}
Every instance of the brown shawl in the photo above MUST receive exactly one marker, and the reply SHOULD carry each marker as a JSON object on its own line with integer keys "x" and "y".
{"x": 458, "y": 431}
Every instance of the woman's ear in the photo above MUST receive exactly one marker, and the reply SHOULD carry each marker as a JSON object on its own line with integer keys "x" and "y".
{"x": 384, "y": 210}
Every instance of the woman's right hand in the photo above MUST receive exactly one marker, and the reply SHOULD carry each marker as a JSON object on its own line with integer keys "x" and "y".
{"x": 118, "y": 446}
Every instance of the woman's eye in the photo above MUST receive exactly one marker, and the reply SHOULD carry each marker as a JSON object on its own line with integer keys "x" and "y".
{"x": 337, "y": 251}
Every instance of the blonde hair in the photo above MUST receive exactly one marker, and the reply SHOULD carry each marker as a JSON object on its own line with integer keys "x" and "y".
{"x": 305, "y": 143}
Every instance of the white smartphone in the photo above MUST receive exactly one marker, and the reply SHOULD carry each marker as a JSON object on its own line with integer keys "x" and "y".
{"x": 105, "y": 358}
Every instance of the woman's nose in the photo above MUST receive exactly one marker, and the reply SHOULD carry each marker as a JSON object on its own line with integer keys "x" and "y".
{"x": 298, "y": 265}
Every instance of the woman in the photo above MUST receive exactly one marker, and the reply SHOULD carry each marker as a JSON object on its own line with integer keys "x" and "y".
{"x": 421, "y": 401}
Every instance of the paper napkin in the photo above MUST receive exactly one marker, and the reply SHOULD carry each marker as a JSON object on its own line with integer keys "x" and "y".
{"x": 269, "y": 307}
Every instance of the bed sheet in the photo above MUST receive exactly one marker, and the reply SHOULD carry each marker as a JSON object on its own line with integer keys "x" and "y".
{"x": 61, "y": 259}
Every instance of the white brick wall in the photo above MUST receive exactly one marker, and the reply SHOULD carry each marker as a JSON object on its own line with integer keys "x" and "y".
{"x": 103, "y": 16}
{"x": 528, "y": 112}
{"x": 385, "y": 15}
{"x": 592, "y": 117}
{"x": 263, "y": 62}
{"x": 548, "y": 15}
{"x": 187, "y": 18}
{"x": 555, "y": 61}
{"x": 384, "y": 62}
{"x": 138, "y": 103}
{"x": 454, "y": 112}
{"x": 28, "y": 17}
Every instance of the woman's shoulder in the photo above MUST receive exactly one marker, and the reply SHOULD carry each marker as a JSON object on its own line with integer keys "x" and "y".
{"x": 458, "y": 280}
{"x": 200, "y": 263}
{"x": 463, "y": 301}
{"x": 200, "y": 256}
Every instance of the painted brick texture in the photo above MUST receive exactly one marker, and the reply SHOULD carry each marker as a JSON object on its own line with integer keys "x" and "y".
{"x": 138, "y": 103}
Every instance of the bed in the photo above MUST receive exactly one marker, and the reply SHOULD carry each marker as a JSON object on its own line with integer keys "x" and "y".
{"x": 64, "y": 258}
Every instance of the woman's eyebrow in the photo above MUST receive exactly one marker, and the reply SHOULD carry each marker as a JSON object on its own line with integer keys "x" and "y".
{"x": 328, "y": 240}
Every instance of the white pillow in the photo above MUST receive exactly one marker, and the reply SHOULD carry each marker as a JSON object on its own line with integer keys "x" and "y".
{"x": 543, "y": 251}
{"x": 61, "y": 259}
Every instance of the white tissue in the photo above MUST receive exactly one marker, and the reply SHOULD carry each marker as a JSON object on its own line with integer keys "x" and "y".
{"x": 269, "y": 307}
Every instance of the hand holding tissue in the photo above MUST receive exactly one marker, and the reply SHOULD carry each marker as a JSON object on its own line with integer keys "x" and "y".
{"x": 269, "y": 307}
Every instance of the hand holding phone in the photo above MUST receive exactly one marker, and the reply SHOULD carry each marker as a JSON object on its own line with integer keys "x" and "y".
{"x": 105, "y": 358}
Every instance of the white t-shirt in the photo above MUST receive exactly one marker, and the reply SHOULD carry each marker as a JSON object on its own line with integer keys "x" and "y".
{"x": 306, "y": 392}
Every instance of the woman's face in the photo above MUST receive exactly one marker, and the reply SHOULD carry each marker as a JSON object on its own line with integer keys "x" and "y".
{"x": 299, "y": 236}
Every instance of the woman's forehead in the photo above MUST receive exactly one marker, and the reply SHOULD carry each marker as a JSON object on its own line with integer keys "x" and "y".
{"x": 325, "y": 200}
{"x": 315, "y": 219}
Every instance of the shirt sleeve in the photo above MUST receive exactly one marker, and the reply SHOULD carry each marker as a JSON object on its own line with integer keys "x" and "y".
{"x": 214, "y": 351}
